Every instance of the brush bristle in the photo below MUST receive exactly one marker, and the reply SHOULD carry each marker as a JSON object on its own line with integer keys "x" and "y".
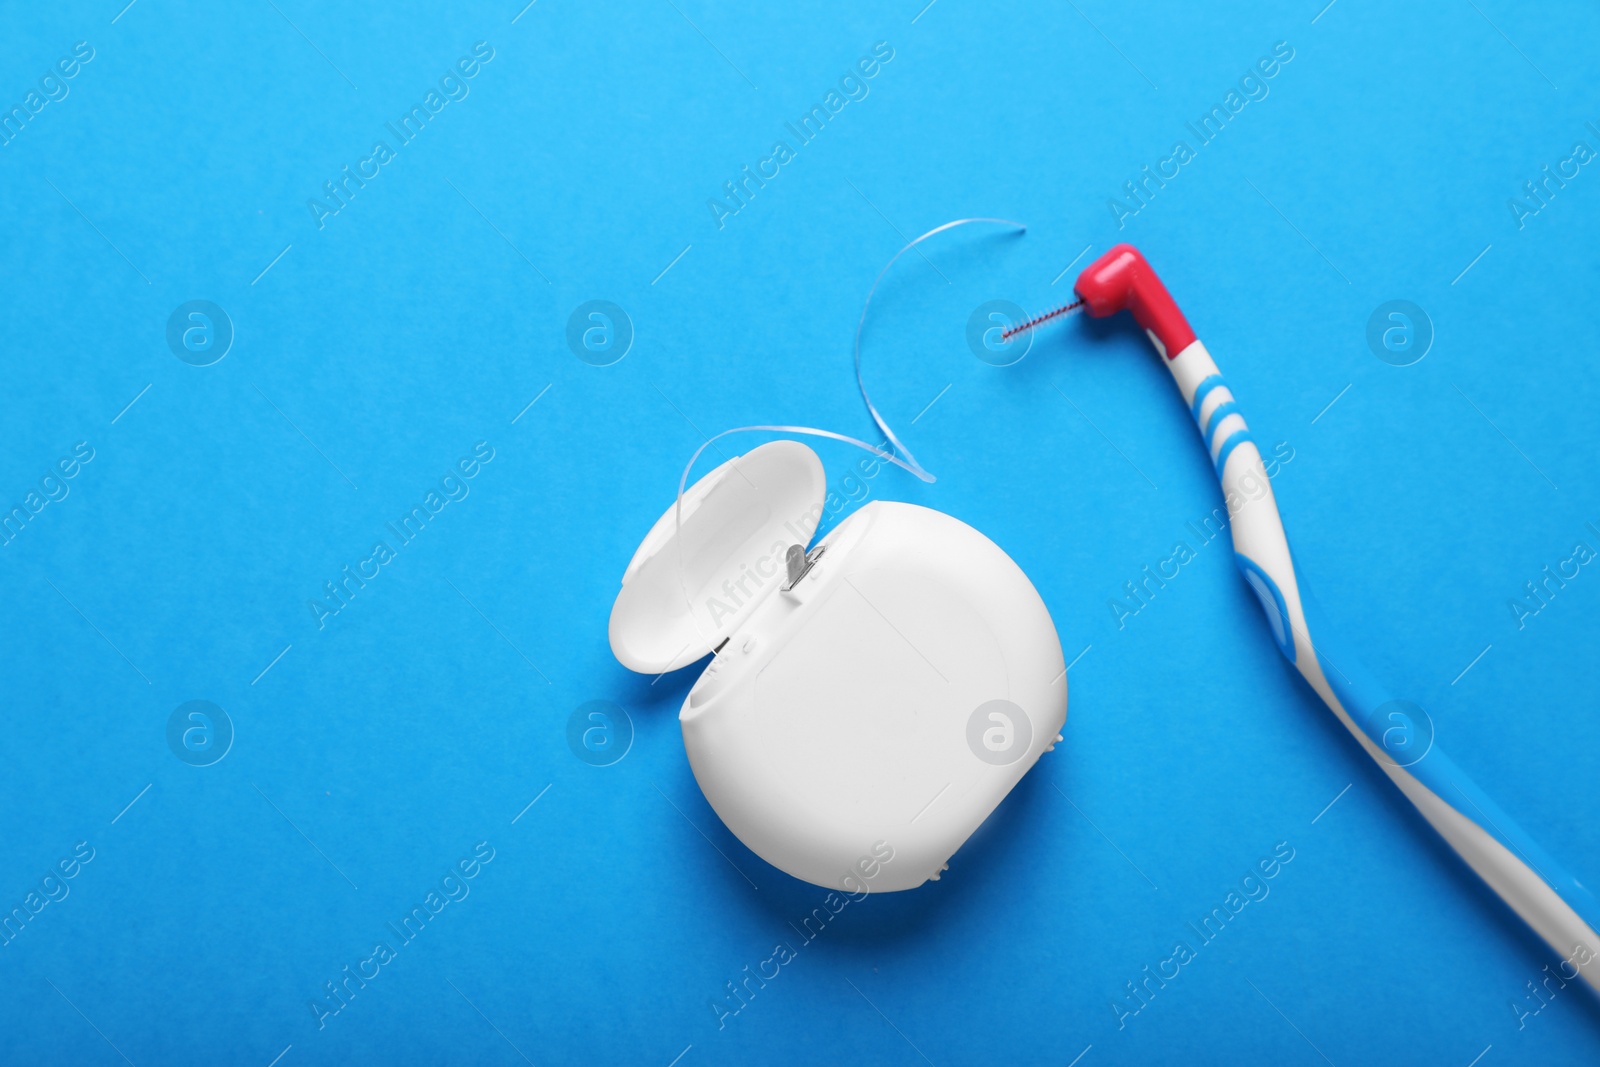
{"x": 1039, "y": 320}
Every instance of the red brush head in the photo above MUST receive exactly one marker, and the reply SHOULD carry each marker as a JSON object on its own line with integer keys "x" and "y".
{"x": 1123, "y": 280}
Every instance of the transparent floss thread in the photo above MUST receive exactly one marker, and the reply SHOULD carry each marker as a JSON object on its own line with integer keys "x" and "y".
{"x": 909, "y": 464}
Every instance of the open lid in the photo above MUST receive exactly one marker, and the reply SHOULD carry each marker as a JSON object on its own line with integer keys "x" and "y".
{"x": 738, "y": 522}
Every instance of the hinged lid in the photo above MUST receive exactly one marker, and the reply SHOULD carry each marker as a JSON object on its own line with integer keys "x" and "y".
{"x": 738, "y": 523}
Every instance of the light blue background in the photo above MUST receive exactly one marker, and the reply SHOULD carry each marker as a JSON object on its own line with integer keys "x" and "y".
{"x": 424, "y": 718}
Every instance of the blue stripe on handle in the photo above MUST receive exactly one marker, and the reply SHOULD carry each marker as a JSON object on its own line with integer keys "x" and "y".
{"x": 1202, "y": 389}
{"x": 1222, "y": 412}
{"x": 1235, "y": 439}
{"x": 1266, "y": 591}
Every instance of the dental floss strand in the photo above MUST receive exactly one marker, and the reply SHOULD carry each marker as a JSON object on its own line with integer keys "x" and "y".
{"x": 909, "y": 464}
{"x": 915, "y": 468}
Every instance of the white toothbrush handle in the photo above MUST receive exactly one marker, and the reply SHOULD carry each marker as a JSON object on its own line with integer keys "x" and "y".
{"x": 1396, "y": 734}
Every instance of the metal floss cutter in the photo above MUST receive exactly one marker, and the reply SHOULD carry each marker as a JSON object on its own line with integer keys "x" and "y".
{"x": 870, "y": 701}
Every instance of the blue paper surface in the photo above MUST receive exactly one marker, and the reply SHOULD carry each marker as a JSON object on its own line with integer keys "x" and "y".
{"x": 376, "y": 324}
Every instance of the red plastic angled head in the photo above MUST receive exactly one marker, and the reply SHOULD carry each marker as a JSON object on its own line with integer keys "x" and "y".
{"x": 1123, "y": 279}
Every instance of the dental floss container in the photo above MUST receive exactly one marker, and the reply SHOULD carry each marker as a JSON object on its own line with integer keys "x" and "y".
{"x": 870, "y": 701}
